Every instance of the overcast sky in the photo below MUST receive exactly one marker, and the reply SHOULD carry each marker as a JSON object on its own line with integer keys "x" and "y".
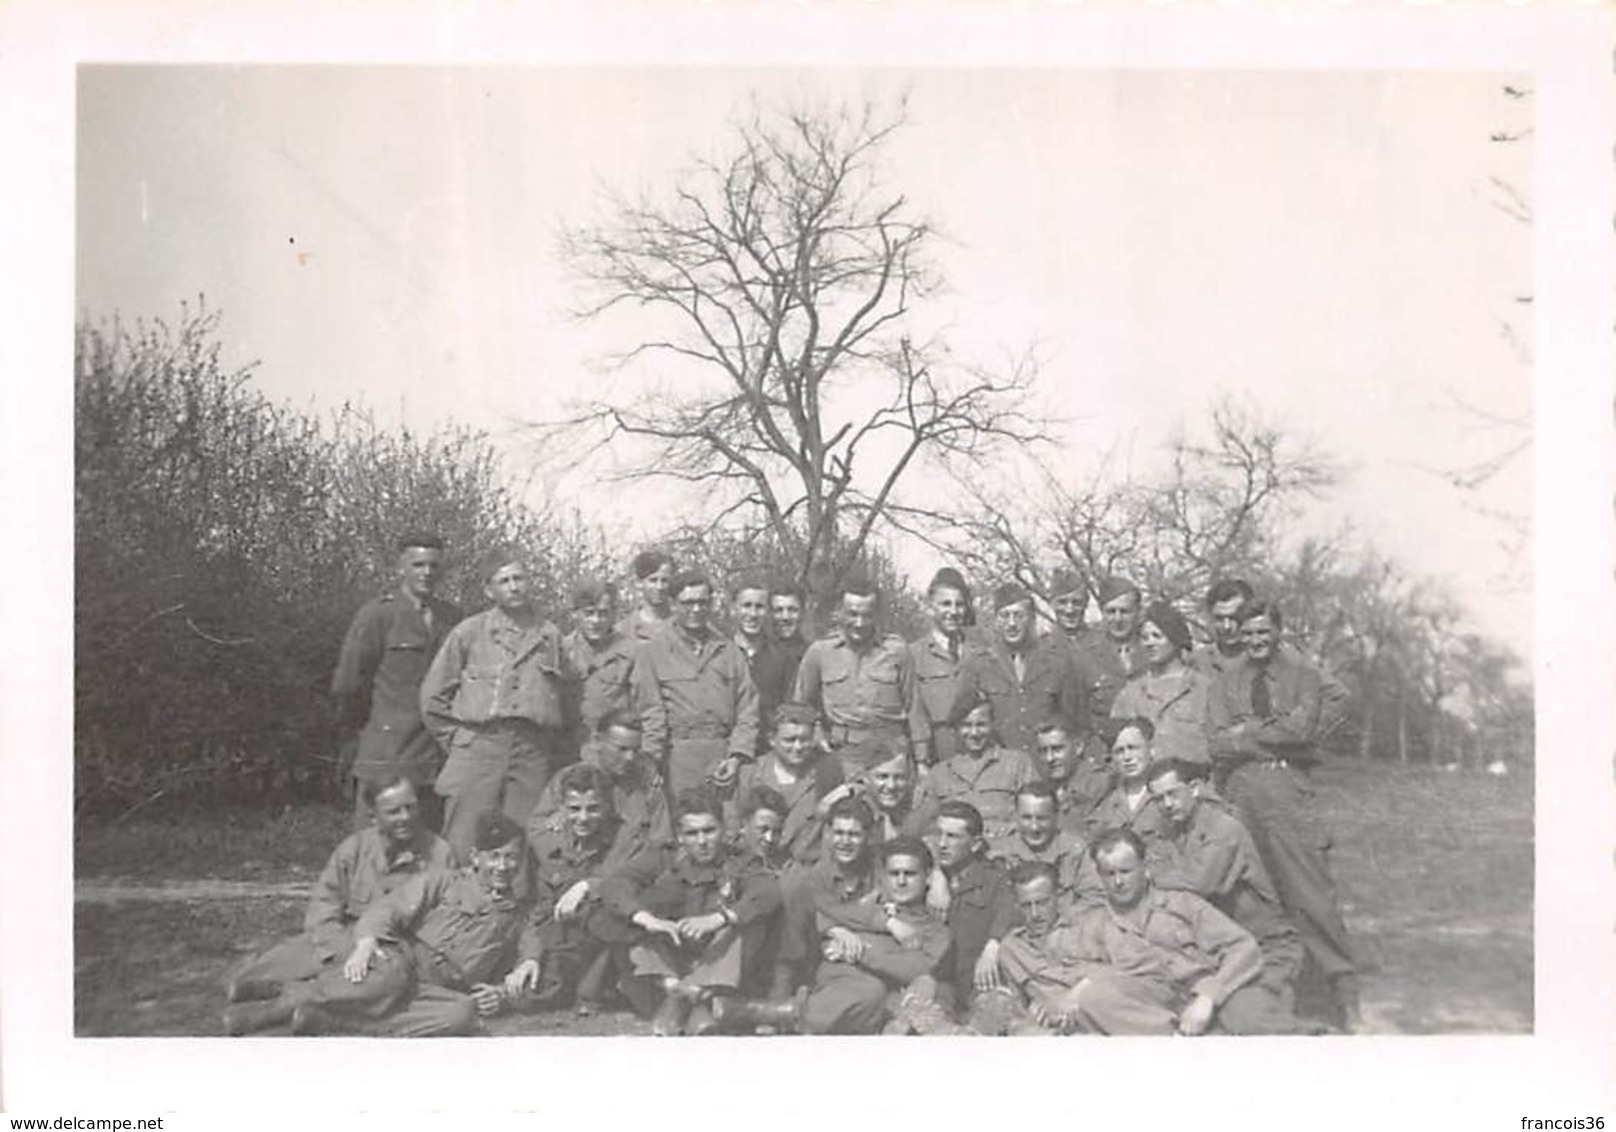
{"x": 1321, "y": 242}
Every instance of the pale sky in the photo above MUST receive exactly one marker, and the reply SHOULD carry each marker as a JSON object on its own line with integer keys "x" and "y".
{"x": 1320, "y": 242}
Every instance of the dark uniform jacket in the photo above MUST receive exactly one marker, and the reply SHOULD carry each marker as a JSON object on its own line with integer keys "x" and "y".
{"x": 982, "y": 906}
{"x": 1049, "y": 687}
{"x": 384, "y": 658}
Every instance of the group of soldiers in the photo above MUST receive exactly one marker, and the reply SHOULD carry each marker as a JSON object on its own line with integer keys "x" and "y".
{"x": 990, "y": 829}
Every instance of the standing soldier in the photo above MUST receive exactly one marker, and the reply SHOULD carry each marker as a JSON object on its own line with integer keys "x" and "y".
{"x": 695, "y": 694}
{"x": 602, "y": 658}
{"x": 653, "y": 570}
{"x": 501, "y": 700}
{"x": 860, "y": 683}
{"x": 774, "y": 670}
{"x": 1224, "y": 601}
{"x": 388, "y": 649}
{"x": 936, "y": 659}
{"x": 786, "y": 604}
{"x": 1111, "y": 658}
{"x": 1266, "y": 718}
{"x": 1027, "y": 678}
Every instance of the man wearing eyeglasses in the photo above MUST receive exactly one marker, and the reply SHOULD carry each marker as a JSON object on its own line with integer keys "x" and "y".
{"x": 695, "y": 694}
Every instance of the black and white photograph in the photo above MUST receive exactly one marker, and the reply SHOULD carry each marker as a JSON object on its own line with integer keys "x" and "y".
{"x": 603, "y": 546}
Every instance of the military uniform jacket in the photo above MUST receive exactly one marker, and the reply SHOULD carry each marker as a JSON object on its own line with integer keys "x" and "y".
{"x": 982, "y": 906}
{"x": 1298, "y": 694}
{"x": 1080, "y": 793}
{"x": 1113, "y": 812}
{"x": 384, "y": 658}
{"x": 1047, "y": 966}
{"x": 641, "y": 819}
{"x": 605, "y": 673}
{"x": 559, "y": 862}
{"x": 459, "y": 932}
{"x": 774, "y": 673}
{"x": 1172, "y": 938}
{"x": 803, "y": 827}
{"x": 1049, "y": 686}
{"x": 1106, "y": 667}
{"x": 988, "y": 782}
{"x": 1077, "y": 877}
{"x": 898, "y": 965}
{"x": 690, "y": 689}
{"x": 1214, "y": 857}
{"x": 360, "y": 872}
{"x": 490, "y": 668}
{"x": 1176, "y": 704}
{"x": 668, "y": 884}
{"x": 872, "y": 690}
{"x": 937, "y": 670}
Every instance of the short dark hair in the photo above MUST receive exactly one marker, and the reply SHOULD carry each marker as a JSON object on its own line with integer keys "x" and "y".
{"x": 793, "y": 712}
{"x": 860, "y": 587}
{"x": 966, "y": 705}
{"x": 495, "y": 560}
{"x": 1186, "y": 770}
{"x": 418, "y": 540}
{"x": 778, "y": 588}
{"x": 1262, "y": 608}
{"x": 1144, "y": 726}
{"x": 648, "y": 562}
{"x": 962, "y": 811}
{"x": 1053, "y": 723}
{"x": 626, "y": 718}
{"x": 906, "y": 846}
{"x": 851, "y": 806}
{"x": 762, "y": 798}
{"x": 1111, "y": 838}
{"x": 749, "y": 582}
{"x": 1224, "y": 589}
{"x": 698, "y": 800}
{"x": 582, "y": 778}
{"x": 1025, "y": 872}
{"x": 591, "y": 591}
{"x": 372, "y": 788}
{"x": 494, "y": 830}
{"x": 684, "y": 579}
{"x": 1038, "y": 788}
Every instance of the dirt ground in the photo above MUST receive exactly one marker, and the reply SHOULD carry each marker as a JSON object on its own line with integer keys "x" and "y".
{"x": 1435, "y": 871}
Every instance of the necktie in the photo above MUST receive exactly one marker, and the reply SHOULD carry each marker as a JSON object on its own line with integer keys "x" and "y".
{"x": 1020, "y": 663}
{"x": 1262, "y": 700}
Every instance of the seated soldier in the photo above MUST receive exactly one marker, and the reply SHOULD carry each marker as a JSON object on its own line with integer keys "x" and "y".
{"x": 863, "y": 971}
{"x": 365, "y": 867}
{"x": 802, "y": 774}
{"x": 638, "y": 802}
{"x": 983, "y": 773}
{"x": 1208, "y": 851}
{"x": 1037, "y": 838}
{"x": 1172, "y": 962}
{"x": 569, "y": 865}
{"x": 425, "y": 957}
{"x": 1128, "y": 804}
{"x": 888, "y": 787}
{"x": 1039, "y": 971}
{"x": 981, "y": 910}
{"x": 687, "y": 918}
{"x": 1080, "y": 781}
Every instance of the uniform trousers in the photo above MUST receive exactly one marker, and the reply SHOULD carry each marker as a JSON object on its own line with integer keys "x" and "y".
{"x": 396, "y": 998}
{"x": 292, "y": 961}
{"x": 1127, "y": 1004}
{"x": 1276, "y": 804}
{"x": 501, "y": 765}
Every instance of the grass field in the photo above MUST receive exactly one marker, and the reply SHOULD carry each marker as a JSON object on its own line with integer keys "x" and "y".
{"x": 1435, "y": 871}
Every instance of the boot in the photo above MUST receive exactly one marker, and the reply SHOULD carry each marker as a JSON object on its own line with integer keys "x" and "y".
{"x": 669, "y": 1020}
{"x": 312, "y": 1020}
{"x": 250, "y": 1017}
{"x": 779, "y": 1015}
{"x": 918, "y": 1010}
{"x": 1344, "y": 989}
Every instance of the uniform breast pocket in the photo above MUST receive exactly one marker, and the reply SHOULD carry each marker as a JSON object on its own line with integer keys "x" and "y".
{"x": 479, "y": 686}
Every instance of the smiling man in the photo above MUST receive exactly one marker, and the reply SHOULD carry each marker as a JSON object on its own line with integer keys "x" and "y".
{"x": 804, "y": 776}
{"x": 426, "y": 959}
{"x": 936, "y": 659}
{"x": 601, "y": 657}
{"x": 367, "y": 866}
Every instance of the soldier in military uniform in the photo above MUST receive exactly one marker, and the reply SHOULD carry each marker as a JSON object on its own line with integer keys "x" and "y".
{"x": 1027, "y": 678}
{"x": 1038, "y": 837}
{"x": 803, "y": 775}
{"x": 501, "y": 699}
{"x": 861, "y": 684}
{"x": 1080, "y": 780}
{"x": 364, "y": 868}
{"x": 601, "y": 658}
{"x": 695, "y": 695}
{"x": 984, "y": 773}
{"x": 773, "y": 666}
{"x": 936, "y": 659}
{"x": 1109, "y": 658}
{"x": 786, "y": 605}
{"x": 653, "y": 571}
{"x": 384, "y": 657}
{"x": 1128, "y": 804}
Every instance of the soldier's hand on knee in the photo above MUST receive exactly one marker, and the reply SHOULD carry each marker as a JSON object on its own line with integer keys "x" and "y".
{"x": 1197, "y": 1016}
{"x": 359, "y": 960}
{"x": 487, "y": 999}
{"x": 986, "y": 975}
{"x": 523, "y": 978}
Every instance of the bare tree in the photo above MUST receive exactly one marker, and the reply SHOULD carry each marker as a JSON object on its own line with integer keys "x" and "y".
{"x": 783, "y": 281}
